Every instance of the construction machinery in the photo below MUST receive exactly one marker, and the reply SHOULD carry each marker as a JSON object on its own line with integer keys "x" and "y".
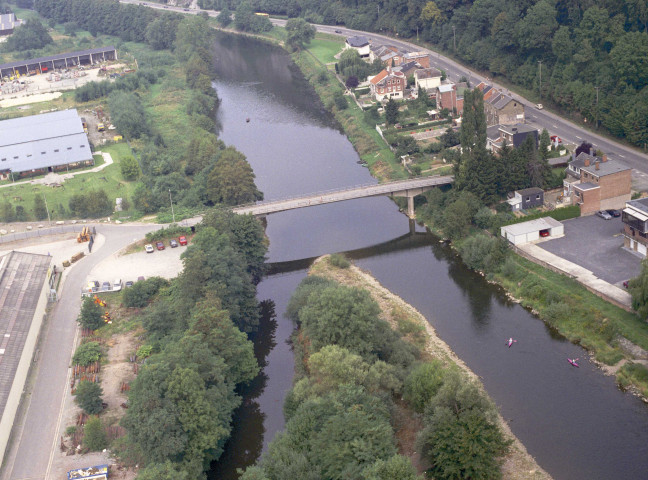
{"x": 84, "y": 235}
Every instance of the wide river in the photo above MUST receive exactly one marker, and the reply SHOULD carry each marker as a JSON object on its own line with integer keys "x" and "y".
{"x": 575, "y": 422}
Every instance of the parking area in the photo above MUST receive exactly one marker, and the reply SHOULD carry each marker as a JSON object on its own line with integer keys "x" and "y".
{"x": 597, "y": 245}
{"x": 161, "y": 263}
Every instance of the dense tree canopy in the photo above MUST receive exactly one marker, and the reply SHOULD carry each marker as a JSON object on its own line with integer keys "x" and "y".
{"x": 30, "y": 36}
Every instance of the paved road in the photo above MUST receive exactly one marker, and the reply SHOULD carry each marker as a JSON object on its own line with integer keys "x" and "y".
{"x": 29, "y": 455}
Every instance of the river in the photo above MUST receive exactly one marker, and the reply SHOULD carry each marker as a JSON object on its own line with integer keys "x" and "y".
{"x": 575, "y": 422}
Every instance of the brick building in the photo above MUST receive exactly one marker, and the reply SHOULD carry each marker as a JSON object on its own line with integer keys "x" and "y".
{"x": 635, "y": 225}
{"x": 388, "y": 84}
{"x": 595, "y": 183}
{"x": 448, "y": 97}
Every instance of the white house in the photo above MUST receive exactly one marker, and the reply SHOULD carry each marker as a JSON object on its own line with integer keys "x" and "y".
{"x": 428, "y": 78}
{"x": 525, "y": 232}
{"x": 359, "y": 43}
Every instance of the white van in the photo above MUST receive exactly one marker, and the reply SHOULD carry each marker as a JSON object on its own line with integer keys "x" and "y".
{"x": 117, "y": 285}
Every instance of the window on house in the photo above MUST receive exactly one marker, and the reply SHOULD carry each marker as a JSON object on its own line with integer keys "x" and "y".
{"x": 4, "y": 159}
{"x": 82, "y": 146}
{"x": 29, "y": 155}
{"x": 538, "y": 197}
{"x": 43, "y": 153}
{"x": 56, "y": 150}
{"x": 69, "y": 148}
{"x": 16, "y": 157}
{"x": 528, "y": 198}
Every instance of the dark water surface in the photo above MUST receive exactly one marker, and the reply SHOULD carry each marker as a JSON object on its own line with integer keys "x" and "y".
{"x": 575, "y": 422}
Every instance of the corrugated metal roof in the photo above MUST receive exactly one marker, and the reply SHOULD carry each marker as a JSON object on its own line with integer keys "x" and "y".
{"x": 60, "y": 56}
{"x": 40, "y": 141}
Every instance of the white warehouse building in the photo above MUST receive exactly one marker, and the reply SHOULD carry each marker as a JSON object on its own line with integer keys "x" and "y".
{"x": 525, "y": 232}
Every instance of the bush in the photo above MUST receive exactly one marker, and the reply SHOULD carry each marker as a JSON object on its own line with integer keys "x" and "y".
{"x": 141, "y": 292}
{"x": 339, "y": 260}
{"x": 557, "y": 312}
{"x": 170, "y": 231}
{"x": 91, "y": 315}
{"x": 129, "y": 168}
{"x": 94, "y": 435}
{"x": 87, "y": 353}
{"x": 340, "y": 101}
{"x": 483, "y": 252}
{"x": 509, "y": 268}
{"x": 88, "y": 397}
{"x": 422, "y": 384}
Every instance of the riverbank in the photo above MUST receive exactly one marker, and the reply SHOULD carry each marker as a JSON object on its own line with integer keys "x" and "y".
{"x": 518, "y": 464}
{"x": 600, "y": 327}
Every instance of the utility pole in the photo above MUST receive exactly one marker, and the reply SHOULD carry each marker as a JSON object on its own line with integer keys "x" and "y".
{"x": 597, "y": 93}
{"x": 171, "y": 201}
{"x": 49, "y": 220}
{"x": 540, "y": 66}
{"x": 417, "y": 33}
{"x": 454, "y": 39}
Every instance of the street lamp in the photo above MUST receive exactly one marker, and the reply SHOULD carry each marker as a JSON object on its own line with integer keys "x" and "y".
{"x": 49, "y": 220}
{"x": 454, "y": 39}
{"x": 171, "y": 202}
{"x": 540, "y": 66}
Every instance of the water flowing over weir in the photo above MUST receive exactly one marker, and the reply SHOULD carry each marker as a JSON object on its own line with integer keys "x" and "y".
{"x": 575, "y": 422}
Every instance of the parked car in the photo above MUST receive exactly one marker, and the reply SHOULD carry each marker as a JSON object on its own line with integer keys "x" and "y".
{"x": 555, "y": 139}
{"x": 105, "y": 285}
{"x": 182, "y": 240}
{"x": 338, "y": 31}
{"x": 159, "y": 246}
{"x": 614, "y": 213}
{"x": 117, "y": 285}
{"x": 149, "y": 248}
{"x": 603, "y": 214}
{"x": 539, "y": 106}
{"x": 129, "y": 283}
{"x": 173, "y": 243}
{"x": 544, "y": 233}
{"x": 140, "y": 278}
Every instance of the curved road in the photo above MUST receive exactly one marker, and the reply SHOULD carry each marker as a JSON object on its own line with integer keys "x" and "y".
{"x": 35, "y": 436}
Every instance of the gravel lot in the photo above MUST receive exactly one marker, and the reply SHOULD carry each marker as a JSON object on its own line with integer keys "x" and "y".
{"x": 165, "y": 263}
{"x": 597, "y": 245}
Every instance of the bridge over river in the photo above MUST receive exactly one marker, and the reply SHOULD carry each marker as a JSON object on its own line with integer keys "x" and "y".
{"x": 400, "y": 188}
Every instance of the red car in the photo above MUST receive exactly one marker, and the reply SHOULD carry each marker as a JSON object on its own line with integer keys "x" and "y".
{"x": 159, "y": 246}
{"x": 544, "y": 233}
{"x": 182, "y": 240}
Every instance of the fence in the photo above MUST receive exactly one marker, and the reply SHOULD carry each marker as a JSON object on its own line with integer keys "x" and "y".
{"x": 41, "y": 232}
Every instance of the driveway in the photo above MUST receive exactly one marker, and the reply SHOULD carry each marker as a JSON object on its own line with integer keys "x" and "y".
{"x": 596, "y": 244}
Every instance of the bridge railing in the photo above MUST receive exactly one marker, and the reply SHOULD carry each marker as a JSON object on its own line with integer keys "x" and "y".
{"x": 395, "y": 183}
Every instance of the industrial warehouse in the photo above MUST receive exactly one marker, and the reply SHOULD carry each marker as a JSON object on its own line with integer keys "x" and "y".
{"x": 43, "y": 143}
{"x": 60, "y": 61}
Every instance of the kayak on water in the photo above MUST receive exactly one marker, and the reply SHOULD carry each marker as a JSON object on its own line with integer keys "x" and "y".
{"x": 573, "y": 361}
{"x": 510, "y": 342}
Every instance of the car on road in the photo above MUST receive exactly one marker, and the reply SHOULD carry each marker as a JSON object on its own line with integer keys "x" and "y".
{"x": 544, "y": 233}
{"x": 173, "y": 243}
{"x": 604, "y": 215}
{"x": 186, "y": 9}
{"x": 539, "y": 106}
{"x": 149, "y": 248}
{"x": 555, "y": 139}
{"x": 129, "y": 283}
{"x": 182, "y": 240}
{"x": 614, "y": 213}
{"x": 338, "y": 31}
{"x": 159, "y": 246}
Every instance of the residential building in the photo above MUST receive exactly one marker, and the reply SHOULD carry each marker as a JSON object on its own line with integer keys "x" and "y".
{"x": 8, "y": 23}
{"x": 513, "y": 135}
{"x": 596, "y": 183}
{"x": 500, "y": 108}
{"x": 449, "y": 96}
{"x": 526, "y": 199}
{"x": 408, "y": 68}
{"x": 358, "y": 43}
{"x": 388, "y": 84}
{"x": 423, "y": 59}
{"x": 427, "y": 78}
{"x": 635, "y": 225}
{"x": 389, "y": 55}
{"x": 43, "y": 143}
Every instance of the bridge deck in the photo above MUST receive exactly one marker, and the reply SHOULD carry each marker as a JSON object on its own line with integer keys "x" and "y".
{"x": 400, "y": 187}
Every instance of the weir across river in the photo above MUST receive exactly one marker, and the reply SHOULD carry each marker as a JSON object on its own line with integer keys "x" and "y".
{"x": 400, "y": 188}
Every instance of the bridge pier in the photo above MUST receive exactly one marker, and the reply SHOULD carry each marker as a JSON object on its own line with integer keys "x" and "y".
{"x": 410, "y": 206}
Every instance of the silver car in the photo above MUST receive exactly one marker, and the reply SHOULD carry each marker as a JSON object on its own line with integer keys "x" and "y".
{"x": 603, "y": 214}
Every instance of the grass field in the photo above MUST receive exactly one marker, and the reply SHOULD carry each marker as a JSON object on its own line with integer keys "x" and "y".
{"x": 325, "y": 48}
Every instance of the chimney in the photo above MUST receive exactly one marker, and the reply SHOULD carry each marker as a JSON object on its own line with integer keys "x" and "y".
{"x": 591, "y": 151}
{"x": 597, "y": 165}
{"x": 587, "y": 162}
{"x": 604, "y": 158}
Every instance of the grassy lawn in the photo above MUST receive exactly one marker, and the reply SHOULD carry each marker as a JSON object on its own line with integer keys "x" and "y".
{"x": 325, "y": 49}
{"x": 108, "y": 179}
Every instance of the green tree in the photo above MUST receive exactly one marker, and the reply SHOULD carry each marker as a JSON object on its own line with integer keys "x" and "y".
{"x": 536, "y": 29}
{"x": 91, "y": 315}
{"x": 7, "y": 212}
{"x": 396, "y": 467}
{"x": 127, "y": 113}
{"x": 638, "y": 288}
{"x": 391, "y": 112}
{"x": 40, "y": 212}
{"x": 88, "y": 397}
{"x": 30, "y": 36}
{"x": 231, "y": 180}
{"x": 431, "y": 13}
{"x": 422, "y": 384}
{"x": 87, "y": 353}
{"x": 94, "y": 435}
{"x": 129, "y": 168}
{"x": 224, "y": 17}
{"x": 545, "y": 143}
{"x": 163, "y": 471}
{"x": 300, "y": 33}
{"x": 139, "y": 295}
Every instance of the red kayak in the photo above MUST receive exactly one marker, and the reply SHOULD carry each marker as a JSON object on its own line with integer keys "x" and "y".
{"x": 573, "y": 362}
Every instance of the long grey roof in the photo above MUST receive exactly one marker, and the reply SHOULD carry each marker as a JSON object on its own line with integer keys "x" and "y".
{"x": 640, "y": 204}
{"x": 605, "y": 168}
{"x": 60, "y": 56}
{"x": 358, "y": 41}
{"x": 40, "y": 141}
{"x": 7, "y": 21}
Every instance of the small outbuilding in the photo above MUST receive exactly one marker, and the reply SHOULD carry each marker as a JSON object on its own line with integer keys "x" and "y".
{"x": 526, "y": 199}
{"x": 525, "y": 232}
